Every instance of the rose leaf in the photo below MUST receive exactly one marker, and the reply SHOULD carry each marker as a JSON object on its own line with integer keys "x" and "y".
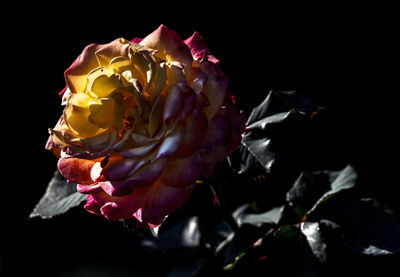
{"x": 59, "y": 197}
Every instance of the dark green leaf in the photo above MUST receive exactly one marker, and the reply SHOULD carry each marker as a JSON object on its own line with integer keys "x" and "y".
{"x": 242, "y": 216}
{"x": 313, "y": 188}
{"x": 175, "y": 233}
{"x": 257, "y": 148}
{"x": 361, "y": 227}
{"x": 59, "y": 197}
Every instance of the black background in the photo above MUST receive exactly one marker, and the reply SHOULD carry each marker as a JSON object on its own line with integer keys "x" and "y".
{"x": 341, "y": 57}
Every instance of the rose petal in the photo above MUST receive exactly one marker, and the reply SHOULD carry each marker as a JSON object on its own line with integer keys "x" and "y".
{"x": 155, "y": 118}
{"x": 139, "y": 151}
{"x": 136, "y": 40}
{"x": 76, "y": 116}
{"x": 218, "y": 130}
{"x": 161, "y": 200}
{"x": 88, "y": 189}
{"x": 76, "y": 170}
{"x": 197, "y": 46}
{"x": 174, "y": 176}
{"x": 172, "y": 142}
{"x": 119, "y": 169}
{"x": 170, "y": 46}
{"x": 92, "y": 205}
{"x": 93, "y": 56}
{"x": 173, "y": 102}
{"x": 156, "y": 201}
{"x": 214, "y": 88}
{"x": 116, "y": 208}
{"x": 196, "y": 130}
{"x": 197, "y": 80}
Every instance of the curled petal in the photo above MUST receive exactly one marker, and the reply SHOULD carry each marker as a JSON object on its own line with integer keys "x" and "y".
{"x": 76, "y": 170}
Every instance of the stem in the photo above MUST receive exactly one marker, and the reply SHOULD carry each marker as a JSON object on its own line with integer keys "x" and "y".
{"x": 226, "y": 214}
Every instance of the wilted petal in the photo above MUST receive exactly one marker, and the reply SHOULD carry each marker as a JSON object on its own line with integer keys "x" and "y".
{"x": 169, "y": 45}
{"x": 76, "y": 170}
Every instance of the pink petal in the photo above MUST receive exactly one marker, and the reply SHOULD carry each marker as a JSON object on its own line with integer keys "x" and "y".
{"x": 88, "y": 189}
{"x": 61, "y": 93}
{"x": 169, "y": 45}
{"x": 136, "y": 40}
{"x": 92, "y": 205}
{"x": 116, "y": 208}
{"x": 197, "y": 47}
{"x": 143, "y": 176}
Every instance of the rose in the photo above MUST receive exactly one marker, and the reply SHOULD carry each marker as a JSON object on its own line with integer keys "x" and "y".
{"x": 142, "y": 121}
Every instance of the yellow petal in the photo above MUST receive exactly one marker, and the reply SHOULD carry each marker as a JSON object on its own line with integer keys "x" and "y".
{"x": 76, "y": 115}
{"x": 101, "y": 82}
{"x": 102, "y": 112}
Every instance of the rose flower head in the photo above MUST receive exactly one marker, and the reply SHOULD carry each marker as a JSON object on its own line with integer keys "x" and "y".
{"x": 143, "y": 119}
